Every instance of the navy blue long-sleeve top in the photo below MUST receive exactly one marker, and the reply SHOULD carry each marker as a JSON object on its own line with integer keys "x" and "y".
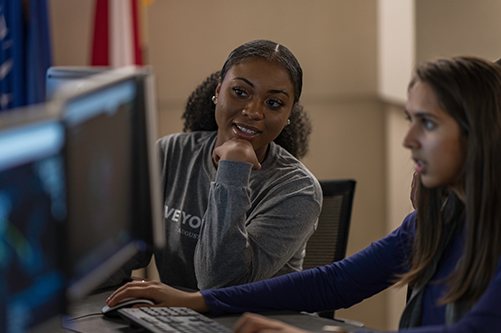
{"x": 349, "y": 281}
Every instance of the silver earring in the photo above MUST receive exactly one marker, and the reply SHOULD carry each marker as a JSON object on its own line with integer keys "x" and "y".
{"x": 214, "y": 99}
{"x": 288, "y": 121}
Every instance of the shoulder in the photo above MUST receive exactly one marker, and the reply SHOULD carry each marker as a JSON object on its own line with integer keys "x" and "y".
{"x": 286, "y": 162}
{"x": 409, "y": 223}
{"x": 189, "y": 140}
{"x": 407, "y": 229}
{"x": 286, "y": 171}
{"x": 404, "y": 234}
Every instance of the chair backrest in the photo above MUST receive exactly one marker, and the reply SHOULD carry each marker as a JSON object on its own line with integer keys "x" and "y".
{"x": 329, "y": 242}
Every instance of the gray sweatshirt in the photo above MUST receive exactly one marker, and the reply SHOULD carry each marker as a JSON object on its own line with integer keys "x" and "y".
{"x": 231, "y": 225}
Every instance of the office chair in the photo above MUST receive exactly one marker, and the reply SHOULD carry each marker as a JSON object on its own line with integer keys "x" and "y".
{"x": 329, "y": 242}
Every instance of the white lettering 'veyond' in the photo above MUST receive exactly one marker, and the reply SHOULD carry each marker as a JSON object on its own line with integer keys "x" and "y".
{"x": 177, "y": 215}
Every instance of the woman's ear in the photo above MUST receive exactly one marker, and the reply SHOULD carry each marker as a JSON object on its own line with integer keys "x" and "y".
{"x": 218, "y": 89}
{"x": 290, "y": 114}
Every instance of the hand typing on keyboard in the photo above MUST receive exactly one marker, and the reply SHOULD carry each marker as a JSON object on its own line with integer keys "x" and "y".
{"x": 160, "y": 293}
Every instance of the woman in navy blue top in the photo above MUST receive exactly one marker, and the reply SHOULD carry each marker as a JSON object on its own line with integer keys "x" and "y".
{"x": 448, "y": 250}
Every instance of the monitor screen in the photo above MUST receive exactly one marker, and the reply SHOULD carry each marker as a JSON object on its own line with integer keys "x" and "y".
{"x": 147, "y": 201}
{"x": 32, "y": 215}
{"x": 100, "y": 182}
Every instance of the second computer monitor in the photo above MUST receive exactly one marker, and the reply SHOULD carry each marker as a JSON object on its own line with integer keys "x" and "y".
{"x": 147, "y": 202}
{"x": 32, "y": 219}
{"x": 99, "y": 165}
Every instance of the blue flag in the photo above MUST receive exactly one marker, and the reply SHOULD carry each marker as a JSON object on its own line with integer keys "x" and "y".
{"x": 25, "y": 52}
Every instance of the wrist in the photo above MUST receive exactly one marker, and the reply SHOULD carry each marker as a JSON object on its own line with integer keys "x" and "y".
{"x": 231, "y": 173}
{"x": 198, "y": 303}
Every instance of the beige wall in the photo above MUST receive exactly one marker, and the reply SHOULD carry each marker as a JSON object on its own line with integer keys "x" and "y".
{"x": 355, "y": 134}
{"x": 457, "y": 27}
{"x": 71, "y": 31}
{"x": 399, "y": 171}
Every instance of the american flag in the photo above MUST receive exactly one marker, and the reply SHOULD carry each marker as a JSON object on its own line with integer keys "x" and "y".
{"x": 116, "y": 39}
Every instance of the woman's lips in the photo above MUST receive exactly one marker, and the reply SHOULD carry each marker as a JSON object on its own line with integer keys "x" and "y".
{"x": 245, "y": 132}
{"x": 420, "y": 166}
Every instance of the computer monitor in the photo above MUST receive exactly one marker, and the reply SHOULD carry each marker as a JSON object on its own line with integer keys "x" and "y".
{"x": 57, "y": 77}
{"x": 99, "y": 164}
{"x": 32, "y": 217}
{"x": 147, "y": 202}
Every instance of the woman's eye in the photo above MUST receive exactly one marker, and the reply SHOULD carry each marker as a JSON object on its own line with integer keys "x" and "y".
{"x": 275, "y": 104}
{"x": 239, "y": 91}
{"x": 428, "y": 124}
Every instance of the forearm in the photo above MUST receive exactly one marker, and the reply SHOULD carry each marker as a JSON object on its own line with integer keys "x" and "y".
{"x": 339, "y": 285}
{"x": 220, "y": 255}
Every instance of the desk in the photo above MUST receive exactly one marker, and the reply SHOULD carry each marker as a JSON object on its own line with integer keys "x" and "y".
{"x": 98, "y": 323}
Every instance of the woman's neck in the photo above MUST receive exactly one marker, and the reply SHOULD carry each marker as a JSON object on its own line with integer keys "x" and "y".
{"x": 459, "y": 191}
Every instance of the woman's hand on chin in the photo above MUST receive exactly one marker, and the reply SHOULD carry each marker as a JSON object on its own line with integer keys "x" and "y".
{"x": 236, "y": 150}
{"x": 160, "y": 293}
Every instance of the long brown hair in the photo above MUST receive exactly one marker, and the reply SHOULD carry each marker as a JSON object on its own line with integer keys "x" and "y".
{"x": 469, "y": 89}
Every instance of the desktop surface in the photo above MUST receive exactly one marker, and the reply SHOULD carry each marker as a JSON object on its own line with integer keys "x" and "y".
{"x": 93, "y": 304}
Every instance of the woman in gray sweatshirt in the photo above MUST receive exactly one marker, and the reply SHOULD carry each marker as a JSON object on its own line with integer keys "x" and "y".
{"x": 238, "y": 204}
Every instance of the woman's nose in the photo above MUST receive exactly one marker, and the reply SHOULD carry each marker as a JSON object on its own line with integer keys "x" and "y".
{"x": 253, "y": 110}
{"x": 410, "y": 139}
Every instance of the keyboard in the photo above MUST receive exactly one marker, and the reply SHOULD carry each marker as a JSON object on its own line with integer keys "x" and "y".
{"x": 172, "y": 320}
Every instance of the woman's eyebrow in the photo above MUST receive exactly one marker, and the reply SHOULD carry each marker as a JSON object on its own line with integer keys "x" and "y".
{"x": 245, "y": 80}
{"x": 420, "y": 114}
{"x": 279, "y": 92}
{"x": 425, "y": 114}
{"x": 270, "y": 91}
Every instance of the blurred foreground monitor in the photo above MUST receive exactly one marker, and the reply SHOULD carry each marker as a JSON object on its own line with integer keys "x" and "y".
{"x": 33, "y": 211}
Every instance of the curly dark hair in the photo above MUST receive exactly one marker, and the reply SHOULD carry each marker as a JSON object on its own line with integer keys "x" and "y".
{"x": 199, "y": 114}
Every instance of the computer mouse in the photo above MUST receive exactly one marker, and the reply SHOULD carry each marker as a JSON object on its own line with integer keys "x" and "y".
{"x": 125, "y": 303}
